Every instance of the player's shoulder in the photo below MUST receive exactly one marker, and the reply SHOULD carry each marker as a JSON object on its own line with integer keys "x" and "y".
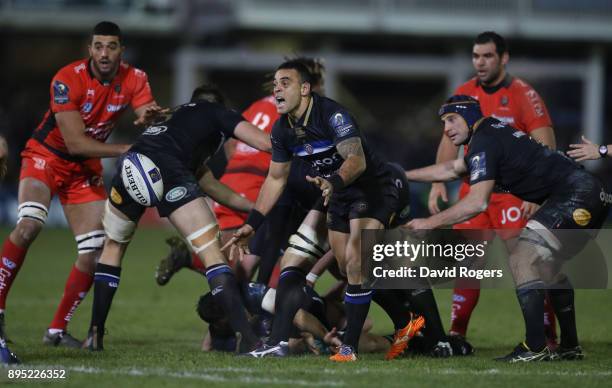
{"x": 519, "y": 85}
{"x": 469, "y": 87}
{"x": 73, "y": 71}
{"x": 132, "y": 71}
{"x": 265, "y": 104}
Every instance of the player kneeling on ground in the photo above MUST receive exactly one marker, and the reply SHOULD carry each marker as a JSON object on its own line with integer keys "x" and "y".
{"x": 160, "y": 170}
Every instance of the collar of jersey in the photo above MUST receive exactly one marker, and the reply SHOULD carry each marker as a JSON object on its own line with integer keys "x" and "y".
{"x": 306, "y": 115}
{"x": 505, "y": 83}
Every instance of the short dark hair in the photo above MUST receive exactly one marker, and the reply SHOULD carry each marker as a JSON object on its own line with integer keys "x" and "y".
{"x": 315, "y": 66}
{"x": 208, "y": 92}
{"x": 491, "y": 36}
{"x": 107, "y": 28}
{"x": 209, "y": 310}
{"x": 300, "y": 67}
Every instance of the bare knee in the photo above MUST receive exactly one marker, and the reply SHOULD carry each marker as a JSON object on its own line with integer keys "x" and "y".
{"x": 25, "y": 232}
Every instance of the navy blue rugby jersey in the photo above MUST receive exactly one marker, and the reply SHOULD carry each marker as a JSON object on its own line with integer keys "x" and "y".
{"x": 518, "y": 164}
{"x": 315, "y": 135}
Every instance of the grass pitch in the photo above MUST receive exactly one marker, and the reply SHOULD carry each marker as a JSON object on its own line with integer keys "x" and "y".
{"x": 153, "y": 335}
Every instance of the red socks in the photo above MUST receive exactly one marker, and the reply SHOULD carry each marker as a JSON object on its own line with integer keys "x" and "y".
{"x": 12, "y": 258}
{"x": 76, "y": 288}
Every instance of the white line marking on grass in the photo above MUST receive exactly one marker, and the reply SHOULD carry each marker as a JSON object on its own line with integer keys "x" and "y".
{"x": 594, "y": 373}
{"x": 205, "y": 374}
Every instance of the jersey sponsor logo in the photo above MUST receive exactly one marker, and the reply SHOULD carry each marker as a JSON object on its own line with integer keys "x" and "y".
{"x": 60, "y": 93}
{"x": 518, "y": 134}
{"x": 8, "y": 263}
{"x": 581, "y": 216}
{"x": 606, "y": 198}
{"x": 176, "y": 194}
{"x": 87, "y": 107}
{"x": 341, "y": 124}
{"x": 535, "y": 102}
{"x": 155, "y": 130}
{"x": 326, "y": 162}
{"x": 115, "y": 107}
{"x": 478, "y": 166}
{"x": 116, "y": 197}
{"x": 511, "y": 214}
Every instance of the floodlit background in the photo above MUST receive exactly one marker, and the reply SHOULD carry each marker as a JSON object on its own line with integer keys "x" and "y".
{"x": 391, "y": 62}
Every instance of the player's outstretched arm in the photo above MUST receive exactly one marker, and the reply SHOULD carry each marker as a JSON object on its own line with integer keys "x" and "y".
{"x": 474, "y": 203}
{"x": 441, "y": 172}
{"x": 271, "y": 190}
{"x": 446, "y": 151}
{"x": 253, "y": 136}
{"x": 149, "y": 113}
{"x": 72, "y": 127}
{"x": 223, "y": 194}
{"x": 587, "y": 150}
{"x": 544, "y": 135}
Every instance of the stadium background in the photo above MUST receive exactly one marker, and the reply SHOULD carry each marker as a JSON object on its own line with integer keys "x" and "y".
{"x": 391, "y": 62}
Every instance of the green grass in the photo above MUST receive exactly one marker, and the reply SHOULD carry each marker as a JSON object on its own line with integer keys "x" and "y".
{"x": 154, "y": 335}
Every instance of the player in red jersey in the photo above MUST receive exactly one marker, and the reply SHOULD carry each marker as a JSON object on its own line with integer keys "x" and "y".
{"x": 245, "y": 172}
{"x": 514, "y": 102}
{"x": 63, "y": 158}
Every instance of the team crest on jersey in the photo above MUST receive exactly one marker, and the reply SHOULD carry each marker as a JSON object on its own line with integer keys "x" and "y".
{"x": 60, "y": 93}
{"x": 478, "y": 166}
{"x": 117, "y": 88}
{"x": 504, "y": 100}
{"x": 308, "y": 148}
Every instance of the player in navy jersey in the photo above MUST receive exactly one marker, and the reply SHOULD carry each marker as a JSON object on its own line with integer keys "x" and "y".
{"x": 355, "y": 184}
{"x": 179, "y": 145}
{"x": 503, "y": 158}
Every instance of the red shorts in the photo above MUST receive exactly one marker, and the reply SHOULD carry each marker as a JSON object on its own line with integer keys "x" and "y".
{"x": 245, "y": 184}
{"x": 73, "y": 182}
{"x": 503, "y": 214}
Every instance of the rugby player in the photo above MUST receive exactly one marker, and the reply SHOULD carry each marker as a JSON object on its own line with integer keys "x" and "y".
{"x": 506, "y": 158}
{"x": 353, "y": 181}
{"x": 245, "y": 173}
{"x": 179, "y": 145}
{"x": 63, "y": 158}
{"x": 511, "y": 100}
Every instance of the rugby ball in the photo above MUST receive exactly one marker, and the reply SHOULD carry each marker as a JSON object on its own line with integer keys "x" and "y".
{"x": 142, "y": 179}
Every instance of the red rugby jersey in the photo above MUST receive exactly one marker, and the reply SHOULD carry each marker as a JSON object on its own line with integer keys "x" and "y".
{"x": 262, "y": 113}
{"x": 74, "y": 88}
{"x": 513, "y": 101}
